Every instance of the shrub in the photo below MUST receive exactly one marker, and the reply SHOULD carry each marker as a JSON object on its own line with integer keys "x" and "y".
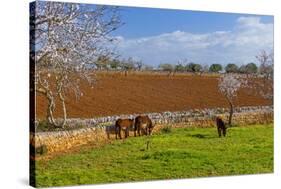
{"x": 192, "y": 67}
{"x": 251, "y": 68}
{"x": 43, "y": 126}
{"x": 41, "y": 150}
{"x": 231, "y": 68}
{"x": 166, "y": 129}
{"x": 215, "y": 68}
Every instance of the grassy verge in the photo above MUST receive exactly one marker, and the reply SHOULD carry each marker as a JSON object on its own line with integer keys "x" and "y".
{"x": 181, "y": 153}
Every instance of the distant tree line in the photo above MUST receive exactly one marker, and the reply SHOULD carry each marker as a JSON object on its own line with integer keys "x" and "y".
{"x": 250, "y": 68}
{"x": 106, "y": 63}
{"x": 130, "y": 64}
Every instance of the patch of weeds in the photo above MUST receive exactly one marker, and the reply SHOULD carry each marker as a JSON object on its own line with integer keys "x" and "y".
{"x": 167, "y": 155}
{"x": 43, "y": 126}
{"x": 146, "y": 156}
{"x": 166, "y": 129}
{"x": 198, "y": 136}
{"x": 41, "y": 150}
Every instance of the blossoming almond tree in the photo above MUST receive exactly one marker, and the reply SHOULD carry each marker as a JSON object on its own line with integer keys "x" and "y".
{"x": 264, "y": 85}
{"x": 229, "y": 85}
{"x": 66, "y": 39}
{"x": 261, "y": 84}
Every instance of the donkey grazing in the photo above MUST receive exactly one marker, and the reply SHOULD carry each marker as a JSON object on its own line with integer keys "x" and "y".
{"x": 221, "y": 126}
{"x": 143, "y": 123}
{"x": 124, "y": 125}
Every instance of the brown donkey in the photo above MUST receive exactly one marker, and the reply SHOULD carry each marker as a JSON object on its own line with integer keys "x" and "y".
{"x": 123, "y": 125}
{"x": 221, "y": 126}
{"x": 143, "y": 123}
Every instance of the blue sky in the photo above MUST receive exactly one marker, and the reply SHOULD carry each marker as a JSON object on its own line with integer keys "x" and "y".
{"x": 167, "y": 36}
{"x": 141, "y": 22}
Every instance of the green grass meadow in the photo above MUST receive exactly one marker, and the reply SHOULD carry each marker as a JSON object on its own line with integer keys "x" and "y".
{"x": 181, "y": 153}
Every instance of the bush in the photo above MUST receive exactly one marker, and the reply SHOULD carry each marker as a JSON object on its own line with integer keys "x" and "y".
{"x": 41, "y": 150}
{"x": 166, "y": 129}
{"x": 251, "y": 68}
{"x": 215, "y": 68}
{"x": 231, "y": 68}
{"x": 43, "y": 126}
{"x": 166, "y": 67}
{"x": 192, "y": 67}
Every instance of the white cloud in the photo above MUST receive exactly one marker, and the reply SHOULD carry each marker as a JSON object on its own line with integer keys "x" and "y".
{"x": 240, "y": 45}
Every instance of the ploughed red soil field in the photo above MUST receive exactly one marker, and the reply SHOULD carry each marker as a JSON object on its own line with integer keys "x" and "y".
{"x": 115, "y": 94}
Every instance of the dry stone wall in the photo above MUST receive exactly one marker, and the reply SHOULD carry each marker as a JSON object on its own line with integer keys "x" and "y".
{"x": 101, "y": 130}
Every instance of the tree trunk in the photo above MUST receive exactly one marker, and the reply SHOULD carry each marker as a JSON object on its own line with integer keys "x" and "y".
{"x": 230, "y": 112}
{"x": 51, "y": 108}
{"x": 64, "y": 109}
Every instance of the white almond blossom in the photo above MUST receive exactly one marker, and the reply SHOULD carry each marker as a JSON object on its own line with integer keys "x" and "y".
{"x": 229, "y": 85}
{"x": 66, "y": 39}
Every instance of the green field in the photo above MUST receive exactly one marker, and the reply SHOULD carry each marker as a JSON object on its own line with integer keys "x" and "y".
{"x": 181, "y": 153}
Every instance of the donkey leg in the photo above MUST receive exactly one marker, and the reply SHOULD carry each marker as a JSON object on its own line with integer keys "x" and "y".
{"x": 120, "y": 137}
{"x": 224, "y": 131}
{"x": 116, "y": 132}
{"x": 219, "y": 131}
{"x": 139, "y": 131}
{"x": 126, "y": 133}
